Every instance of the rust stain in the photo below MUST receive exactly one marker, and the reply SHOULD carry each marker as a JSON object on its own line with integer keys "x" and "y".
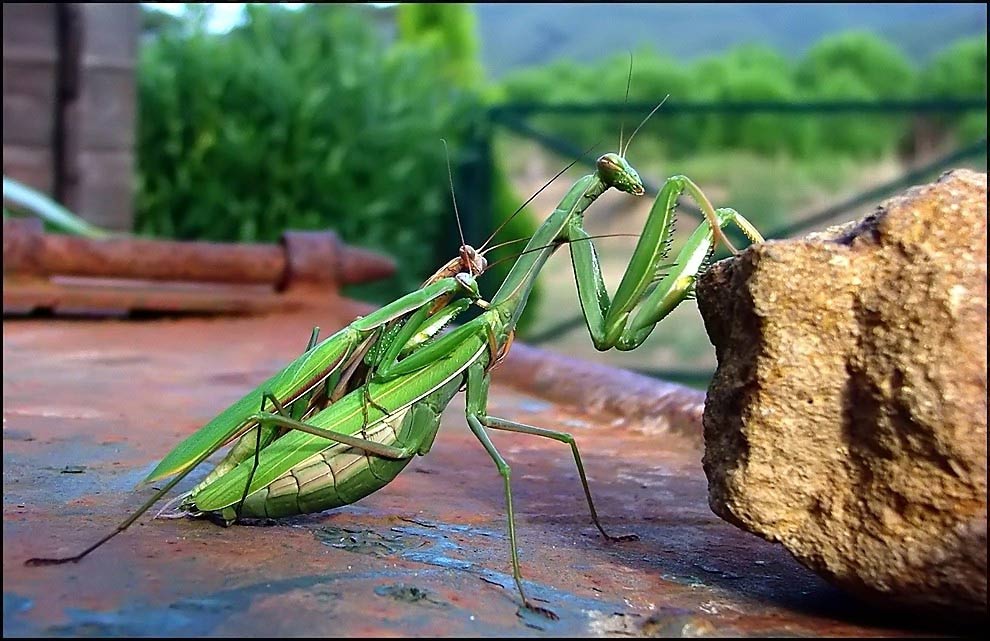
{"x": 426, "y": 556}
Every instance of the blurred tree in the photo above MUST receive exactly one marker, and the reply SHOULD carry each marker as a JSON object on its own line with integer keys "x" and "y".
{"x": 878, "y": 64}
{"x": 451, "y": 28}
{"x": 751, "y": 73}
{"x": 960, "y": 71}
{"x": 856, "y": 134}
{"x": 857, "y": 65}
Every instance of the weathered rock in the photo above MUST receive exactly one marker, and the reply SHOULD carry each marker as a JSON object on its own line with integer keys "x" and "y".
{"x": 848, "y": 416}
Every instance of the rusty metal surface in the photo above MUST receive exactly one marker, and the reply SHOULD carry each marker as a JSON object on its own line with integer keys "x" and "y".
{"x": 61, "y": 272}
{"x": 90, "y": 406}
{"x": 648, "y": 405}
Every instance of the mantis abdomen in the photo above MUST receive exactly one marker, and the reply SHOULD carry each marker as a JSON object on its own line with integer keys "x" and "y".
{"x": 341, "y": 474}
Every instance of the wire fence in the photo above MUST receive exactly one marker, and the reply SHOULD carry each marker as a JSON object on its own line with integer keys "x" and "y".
{"x": 514, "y": 118}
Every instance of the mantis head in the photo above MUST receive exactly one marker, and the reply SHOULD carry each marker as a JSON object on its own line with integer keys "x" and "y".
{"x": 473, "y": 260}
{"x": 614, "y": 171}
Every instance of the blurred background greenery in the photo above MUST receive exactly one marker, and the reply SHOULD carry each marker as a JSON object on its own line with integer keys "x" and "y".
{"x": 331, "y": 116}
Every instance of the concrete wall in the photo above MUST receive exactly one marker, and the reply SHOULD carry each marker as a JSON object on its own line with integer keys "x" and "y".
{"x": 69, "y": 104}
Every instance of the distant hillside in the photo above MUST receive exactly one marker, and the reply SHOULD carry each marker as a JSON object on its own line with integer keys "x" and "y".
{"x": 519, "y": 35}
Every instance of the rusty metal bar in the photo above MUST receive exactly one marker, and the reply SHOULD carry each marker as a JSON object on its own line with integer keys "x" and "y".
{"x": 658, "y": 407}
{"x": 74, "y": 274}
{"x": 313, "y": 256}
{"x": 115, "y": 297}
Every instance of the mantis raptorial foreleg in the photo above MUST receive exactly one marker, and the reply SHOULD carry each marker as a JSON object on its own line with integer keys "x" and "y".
{"x": 678, "y": 285}
{"x": 610, "y": 322}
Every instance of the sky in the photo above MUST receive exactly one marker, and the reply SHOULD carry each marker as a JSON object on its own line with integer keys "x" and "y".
{"x": 225, "y": 14}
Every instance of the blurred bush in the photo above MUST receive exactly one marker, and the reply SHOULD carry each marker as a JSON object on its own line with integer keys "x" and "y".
{"x": 857, "y": 66}
{"x": 960, "y": 71}
{"x": 854, "y": 65}
{"x": 298, "y": 119}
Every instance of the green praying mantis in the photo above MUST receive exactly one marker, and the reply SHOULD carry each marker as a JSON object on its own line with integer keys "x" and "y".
{"x": 343, "y": 419}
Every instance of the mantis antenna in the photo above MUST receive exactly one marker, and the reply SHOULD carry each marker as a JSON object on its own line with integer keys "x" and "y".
{"x": 450, "y": 177}
{"x": 625, "y": 103}
{"x": 538, "y": 192}
{"x": 622, "y": 152}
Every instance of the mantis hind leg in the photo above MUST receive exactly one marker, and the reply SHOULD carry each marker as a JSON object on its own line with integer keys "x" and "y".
{"x": 296, "y": 410}
{"x": 477, "y": 398}
{"x": 511, "y": 426}
{"x": 267, "y": 396}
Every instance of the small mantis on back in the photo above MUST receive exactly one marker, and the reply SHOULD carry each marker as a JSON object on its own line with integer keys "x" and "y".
{"x": 343, "y": 419}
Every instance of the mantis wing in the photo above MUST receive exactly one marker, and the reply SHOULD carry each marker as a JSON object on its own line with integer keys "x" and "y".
{"x": 293, "y": 381}
{"x": 345, "y": 416}
{"x": 296, "y": 379}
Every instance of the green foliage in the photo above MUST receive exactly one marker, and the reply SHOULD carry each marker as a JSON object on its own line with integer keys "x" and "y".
{"x": 853, "y": 134}
{"x": 449, "y": 28}
{"x": 561, "y": 81}
{"x": 863, "y": 55}
{"x": 298, "y": 119}
{"x": 857, "y": 65}
{"x": 960, "y": 71}
{"x": 748, "y": 74}
{"x": 850, "y": 66}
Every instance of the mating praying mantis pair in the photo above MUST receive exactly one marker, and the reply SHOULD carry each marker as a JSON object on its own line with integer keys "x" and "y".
{"x": 343, "y": 419}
